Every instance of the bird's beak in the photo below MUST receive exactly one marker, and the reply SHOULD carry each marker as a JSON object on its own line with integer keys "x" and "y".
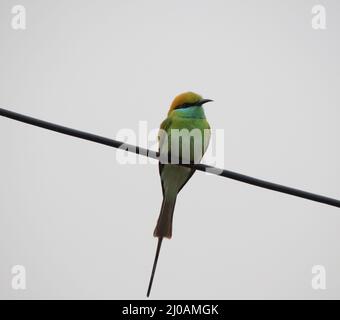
{"x": 203, "y": 101}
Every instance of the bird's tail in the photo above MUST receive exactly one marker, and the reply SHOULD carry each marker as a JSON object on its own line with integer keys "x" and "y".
{"x": 164, "y": 224}
{"x": 163, "y": 230}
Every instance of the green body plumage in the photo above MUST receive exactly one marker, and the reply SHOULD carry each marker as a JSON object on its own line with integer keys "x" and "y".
{"x": 174, "y": 177}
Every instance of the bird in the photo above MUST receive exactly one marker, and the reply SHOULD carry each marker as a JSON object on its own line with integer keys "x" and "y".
{"x": 186, "y": 114}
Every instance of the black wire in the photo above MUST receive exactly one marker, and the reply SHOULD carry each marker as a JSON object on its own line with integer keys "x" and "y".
{"x": 154, "y": 155}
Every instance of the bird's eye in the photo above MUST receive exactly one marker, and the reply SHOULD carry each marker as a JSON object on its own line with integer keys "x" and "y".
{"x": 185, "y": 105}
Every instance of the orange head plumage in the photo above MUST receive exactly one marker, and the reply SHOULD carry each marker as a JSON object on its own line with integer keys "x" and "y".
{"x": 187, "y": 99}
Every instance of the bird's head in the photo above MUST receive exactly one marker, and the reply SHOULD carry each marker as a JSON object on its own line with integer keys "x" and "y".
{"x": 187, "y": 99}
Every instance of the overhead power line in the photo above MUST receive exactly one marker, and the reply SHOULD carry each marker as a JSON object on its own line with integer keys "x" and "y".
{"x": 152, "y": 154}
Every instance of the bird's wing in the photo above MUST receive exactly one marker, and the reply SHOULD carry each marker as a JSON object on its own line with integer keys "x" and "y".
{"x": 164, "y": 128}
{"x": 165, "y": 125}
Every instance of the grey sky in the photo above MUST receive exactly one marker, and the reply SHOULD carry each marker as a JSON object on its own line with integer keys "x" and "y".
{"x": 82, "y": 224}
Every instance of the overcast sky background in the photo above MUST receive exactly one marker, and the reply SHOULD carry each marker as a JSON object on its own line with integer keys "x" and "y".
{"x": 82, "y": 224}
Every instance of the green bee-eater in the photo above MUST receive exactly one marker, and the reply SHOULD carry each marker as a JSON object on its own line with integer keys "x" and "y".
{"x": 186, "y": 112}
